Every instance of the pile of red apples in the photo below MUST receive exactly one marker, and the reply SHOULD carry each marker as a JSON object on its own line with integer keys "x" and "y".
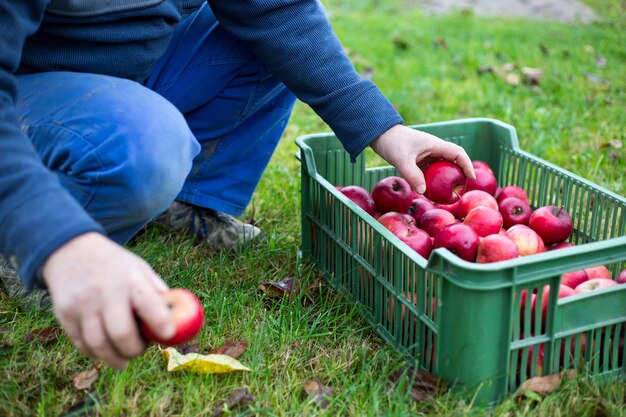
{"x": 475, "y": 219}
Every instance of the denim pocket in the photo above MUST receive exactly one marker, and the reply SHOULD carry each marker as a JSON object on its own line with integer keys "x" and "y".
{"x": 91, "y": 8}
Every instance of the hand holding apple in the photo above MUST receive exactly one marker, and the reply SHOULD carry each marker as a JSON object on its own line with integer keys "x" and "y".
{"x": 187, "y": 314}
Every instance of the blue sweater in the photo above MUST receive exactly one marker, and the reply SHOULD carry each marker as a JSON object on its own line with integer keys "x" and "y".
{"x": 124, "y": 38}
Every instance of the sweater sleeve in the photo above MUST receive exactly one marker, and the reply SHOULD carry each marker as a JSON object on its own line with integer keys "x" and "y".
{"x": 295, "y": 40}
{"x": 37, "y": 215}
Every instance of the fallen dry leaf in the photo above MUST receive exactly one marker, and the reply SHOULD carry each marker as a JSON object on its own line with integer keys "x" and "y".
{"x": 237, "y": 399}
{"x": 85, "y": 379}
{"x": 318, "y": 393}
{"x": 283, "y": 288}
{"x": 186, "y": 348}
{"x": 544, "y": 49}
{"x": 44, "y": 336}
{"x": 617, "y": 144}
{"x": 400, "y": 43}
{"x": 441, "y": 42}
{"x": 545, "y": 384}
{"x": 232, "y": 348}
{"x": 201, "y": 364}
{"x": 423, "y": 384}
{"x": 532, "y": 75}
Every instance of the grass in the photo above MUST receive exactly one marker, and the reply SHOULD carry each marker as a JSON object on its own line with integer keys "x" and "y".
{"x": 427, "y": 66}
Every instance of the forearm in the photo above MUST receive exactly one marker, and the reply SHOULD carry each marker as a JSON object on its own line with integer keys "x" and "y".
{"x": 295, "y": 40}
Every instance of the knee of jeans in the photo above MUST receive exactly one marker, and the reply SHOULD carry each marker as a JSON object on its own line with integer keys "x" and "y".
{"x": 157, "y": 160}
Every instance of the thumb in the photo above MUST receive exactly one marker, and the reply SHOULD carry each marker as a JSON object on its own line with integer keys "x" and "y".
{"x": 413, "y": 175}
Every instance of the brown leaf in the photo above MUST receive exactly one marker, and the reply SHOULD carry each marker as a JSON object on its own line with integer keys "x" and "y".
{"x": 544, "y": 49}
{"x": 44, "y": 336}
{"x": 238, "y": 398}
{"x": 232, "y": 348}
{"x": 532, "y": 75}
{"x": 278, "y": 289}
{"x": 617, "y": 144}
{"x": 85, "y": 379}
{"x": 318, "y": 393}
{"x": 545, "y": 384}
{"x": 423, "y": 384}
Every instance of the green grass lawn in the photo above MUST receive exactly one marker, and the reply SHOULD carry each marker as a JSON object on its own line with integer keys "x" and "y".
{"x": 428, "y": 67}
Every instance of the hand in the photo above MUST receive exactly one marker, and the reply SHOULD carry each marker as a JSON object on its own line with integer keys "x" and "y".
{"x": 97, "y": 288}
{"x": 410, "y": 150}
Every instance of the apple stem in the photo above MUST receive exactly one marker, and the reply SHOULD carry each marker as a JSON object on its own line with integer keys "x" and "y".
{"x": 559, "y": 211}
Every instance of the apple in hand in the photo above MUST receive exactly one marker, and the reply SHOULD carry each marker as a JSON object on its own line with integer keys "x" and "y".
{"x": 459, "y": 239}
{"x": 484, "y": 220}
{"x": 552, "y": 223}
{"x": 361, "y": 197}
{"x": 418, "y": 240}
{"x": 494, "y": 248}
{"x": 485, "y": 181}
{"x": 595, "y": 284}
{"x": 436, "y": 219}
{"x": 445, "y": 182}
{"x": 392, "y": 194}
{"x": 527, "y": 240}
{"x": 187, "y": 314}
{"x": 514, "y": 211}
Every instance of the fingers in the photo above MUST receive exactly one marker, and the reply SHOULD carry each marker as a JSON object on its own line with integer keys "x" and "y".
{"x": 153, "y": 311}
{"x": 121, "y": 327}
{"x": 413, "y": 175}
{"x": 98, "y": 344}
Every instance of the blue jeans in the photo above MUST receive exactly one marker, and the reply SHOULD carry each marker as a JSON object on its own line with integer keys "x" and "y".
{"x": 201, "y": 129}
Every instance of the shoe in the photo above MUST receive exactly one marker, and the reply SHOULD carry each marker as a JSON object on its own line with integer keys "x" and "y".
{"x": 216, "y": 229}
{"x": 12, "y": 285}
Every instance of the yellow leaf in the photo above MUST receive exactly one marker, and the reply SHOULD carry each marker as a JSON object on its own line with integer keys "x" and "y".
{"x": 201, "y": 364}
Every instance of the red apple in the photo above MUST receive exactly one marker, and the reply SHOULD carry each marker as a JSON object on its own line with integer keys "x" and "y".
{"x": 397, "y": 222}
{"x": 574, "y": 278}
{"x": 514, "y": 211}
{"x": 420, "y": 206}
{"x": 392, "y": 194}
{"x": 494, "y": 248}
{"x": 418, "y": 240}
{"x": 512, "y": 191}
{"x": 459, "y": 239}
{"x": 361, "y": 198}
{"x": 523, "y": 297}
{"x": 552, "y": 223}
{"x": 484, "y": 220}
{"x": 599, "y": 271}
{"x": 595, "y": 284}
{"x": 475, "y": 198}
{"x": 436, "y": 219}
{"x": 445, "y": 182}
{"x": 485, "y": 181}
{"x": 621, "y": 278}
{"x": 527, "y": 240}
{"x": 187, "y": 315}
{"x": 481, "y": 165}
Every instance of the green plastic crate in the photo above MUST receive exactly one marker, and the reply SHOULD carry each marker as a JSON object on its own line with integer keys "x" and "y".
{"x": 461, "y": 320}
